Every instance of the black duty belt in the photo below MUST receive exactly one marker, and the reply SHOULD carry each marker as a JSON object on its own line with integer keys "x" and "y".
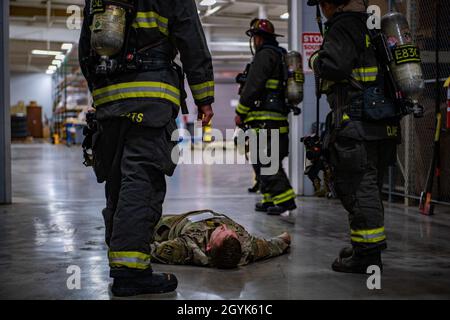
{"x": 139, "y": 65}
{"x": 153, "y": 65}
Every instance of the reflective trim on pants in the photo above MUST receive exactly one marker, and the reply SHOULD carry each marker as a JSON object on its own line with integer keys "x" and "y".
{"x": 267, "y": 198}
{"x": 129, "y": 259}
{"x": 265, "y": 115}
{"x": 285, "y": 196}
{"x": 368, "y": 236}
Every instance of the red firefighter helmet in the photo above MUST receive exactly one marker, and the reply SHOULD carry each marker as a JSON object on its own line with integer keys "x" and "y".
{"x": 262, "y": 27}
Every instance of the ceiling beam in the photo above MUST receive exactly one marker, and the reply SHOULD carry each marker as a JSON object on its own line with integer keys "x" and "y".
{"x": 22, "y": 11}
{"x": 42, "y": 4}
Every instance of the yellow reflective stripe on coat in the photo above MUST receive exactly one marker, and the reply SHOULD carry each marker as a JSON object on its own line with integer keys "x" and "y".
{"x": 447, "y": 84}
{"x": 365, "y": 74}
{"x": 242, "y": 109}
{"x": 368, "y": 236}
{"x": 203, "y": 90}
{"x": 140, "y": 89}
{"x": 265, "y": 115}
{"x": 284, "y": 130}
{"x": 272, "y": 84}
{"x": 285, "y": 196}
{"x": 345, "y": 117}
{"x": 150, "y": 20}
{"x": 129, "y": 259}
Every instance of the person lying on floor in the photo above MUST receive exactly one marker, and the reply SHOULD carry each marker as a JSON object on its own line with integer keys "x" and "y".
{"x": 207, "y": 238}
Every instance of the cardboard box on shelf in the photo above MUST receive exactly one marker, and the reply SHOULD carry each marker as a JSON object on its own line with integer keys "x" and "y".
{"x": 19, "y": 109}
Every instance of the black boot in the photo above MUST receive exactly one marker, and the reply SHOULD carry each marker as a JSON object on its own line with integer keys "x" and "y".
{"x": 254, "y": 189}
{"x": 282, "y": 208}
{"x": 346, "y": 252}
{"x": 262, "y": 207}
{"x": 357, "y": 263}
{"x": 148, "y": 284}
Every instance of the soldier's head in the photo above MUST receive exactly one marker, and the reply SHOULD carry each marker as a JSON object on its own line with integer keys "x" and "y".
{"x": 328, "y": 7}
{"x": 224, "y": 248}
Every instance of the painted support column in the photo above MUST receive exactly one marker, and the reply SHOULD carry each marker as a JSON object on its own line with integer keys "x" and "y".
{"x": 296, "y": 158}
{"x": 5, "y": 120}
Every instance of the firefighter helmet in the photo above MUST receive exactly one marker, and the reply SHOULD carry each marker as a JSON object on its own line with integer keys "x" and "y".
{"x": 262, "y": 27}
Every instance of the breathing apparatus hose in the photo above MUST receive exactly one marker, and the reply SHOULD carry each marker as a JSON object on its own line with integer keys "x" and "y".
{"x": 251, "y": 46}
{"x": 316, "y": 76}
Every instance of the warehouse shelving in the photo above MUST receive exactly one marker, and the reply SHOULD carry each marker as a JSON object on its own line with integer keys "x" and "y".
{"x": 71, "y": 100}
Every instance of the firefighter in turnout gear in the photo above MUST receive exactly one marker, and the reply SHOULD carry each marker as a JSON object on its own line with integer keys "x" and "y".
{"x": 195, "y": 237}
{"x": 365, "y": 128}
{"x": 137, "y": 93}
{"x": 262, "y": 105}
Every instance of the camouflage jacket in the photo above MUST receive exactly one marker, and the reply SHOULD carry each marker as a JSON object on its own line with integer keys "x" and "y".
{"x": 182, "y": 239}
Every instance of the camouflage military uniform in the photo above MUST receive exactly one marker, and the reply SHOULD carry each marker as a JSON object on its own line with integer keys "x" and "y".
{"x": 182, "y": 239}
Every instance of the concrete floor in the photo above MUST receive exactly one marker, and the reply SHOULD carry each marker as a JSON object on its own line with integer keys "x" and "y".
{"x": 55, "y": 222}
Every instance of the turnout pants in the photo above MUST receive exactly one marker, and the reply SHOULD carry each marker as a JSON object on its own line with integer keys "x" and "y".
{"x": 276, "y": 188}
{"x": 359, "y": 167}
{"x": 134, "y": 160}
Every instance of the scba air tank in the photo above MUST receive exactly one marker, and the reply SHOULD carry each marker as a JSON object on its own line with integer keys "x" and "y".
{"x": 108, "y": 30}
{"x": 296, "y": 78}
{"x": 406, "y": 64}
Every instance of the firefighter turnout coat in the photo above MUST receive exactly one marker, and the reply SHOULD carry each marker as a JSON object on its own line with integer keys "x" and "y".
{"x": 153, "y": 97}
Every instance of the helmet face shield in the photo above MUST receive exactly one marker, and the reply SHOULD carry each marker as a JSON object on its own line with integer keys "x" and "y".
{"x": 252, "y": 45}
{"x": 262, "y": 27}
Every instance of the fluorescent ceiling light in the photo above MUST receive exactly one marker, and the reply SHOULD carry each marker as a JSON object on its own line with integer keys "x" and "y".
{"x": 52, "y": 67}
{"x": 67, "y": 46}
{"x": 208, "y": 2}
{"x": 60, "y": 57}
{"x": 285, "y": 16}
{"x": 46, "y": 52}
{"x": 50, "y": 72}
{"x": 57, "y": 63}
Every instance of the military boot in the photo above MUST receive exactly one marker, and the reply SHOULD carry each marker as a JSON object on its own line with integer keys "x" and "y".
{"x": 147, "y": 284}
{"x": 318, "y": 191}
{"x": 282, "y": 208}
{"x": 357, "y": 263}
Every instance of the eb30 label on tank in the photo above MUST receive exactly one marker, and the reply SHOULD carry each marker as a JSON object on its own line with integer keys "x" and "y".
{"x": 406, "y": 54}
{"x": 299, "y": 77}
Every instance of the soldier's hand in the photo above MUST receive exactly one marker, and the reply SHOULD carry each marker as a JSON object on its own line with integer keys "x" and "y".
{"x": 205, "y": 114}
{"x": 238, "y": 121}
